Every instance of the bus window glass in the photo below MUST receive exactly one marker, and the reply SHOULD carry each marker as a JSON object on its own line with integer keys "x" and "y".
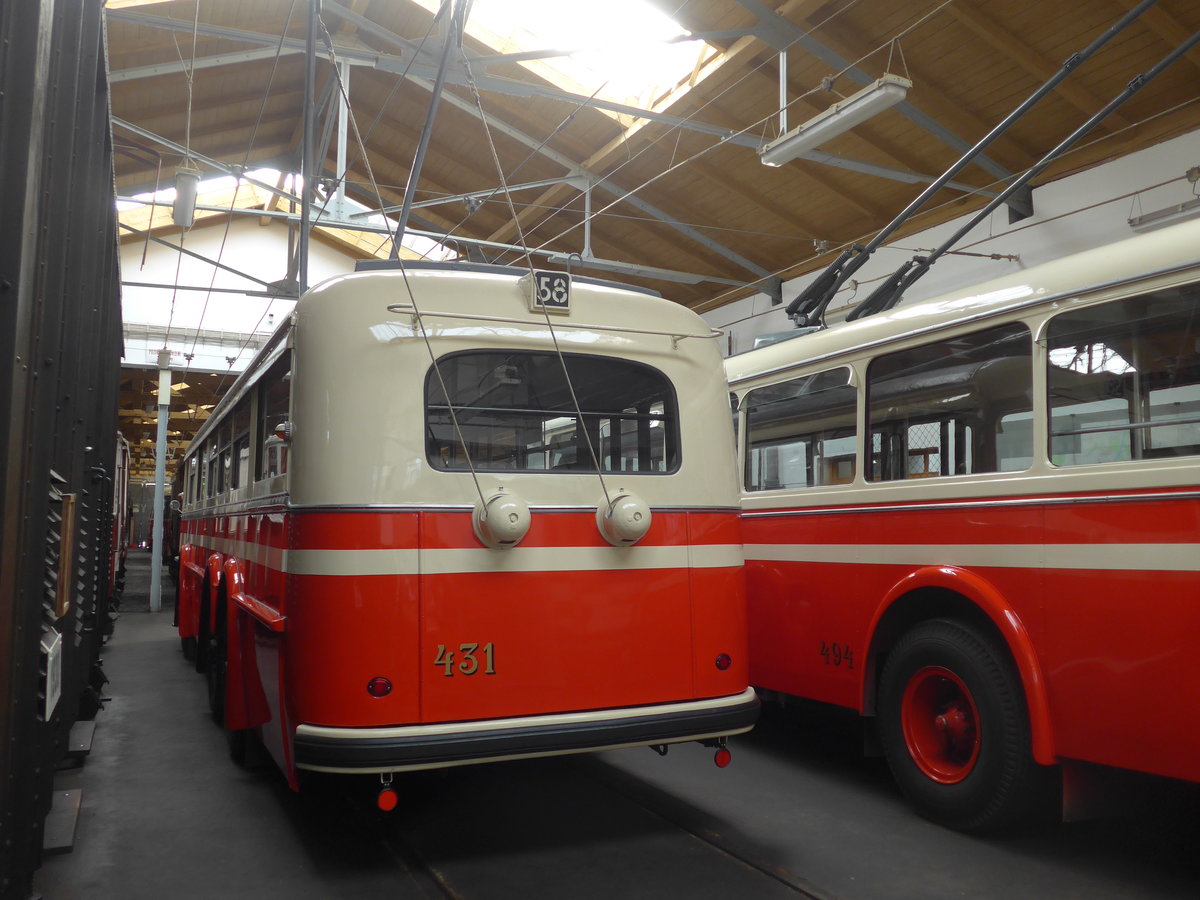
{"x": 733, "y": 409}
{"x": 210, "y": 468}
{"x": 224, "y": 451}
{"x": 274, "y": 407}
{"x": 516, "y": 411}
{"x": 952, "y": 408}
{"x": 801, "y": 433}
{"x": 240, "y": 457}
{"x": 192, "y": 482}
{"x": 1124, "y": 379}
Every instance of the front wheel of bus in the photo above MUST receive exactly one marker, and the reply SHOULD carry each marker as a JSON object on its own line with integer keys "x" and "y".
{"x": 954, "y": 728}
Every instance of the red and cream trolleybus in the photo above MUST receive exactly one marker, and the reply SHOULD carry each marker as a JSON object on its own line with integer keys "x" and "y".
{"x": 977, "y": 520}
{"x": 453, "y": 514}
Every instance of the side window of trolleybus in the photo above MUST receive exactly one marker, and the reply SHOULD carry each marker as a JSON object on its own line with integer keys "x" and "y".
{"x": 240, "y": 458}
{"x": 954, "y": 407}
{"x": 801, "y": 433}
{"x": 193, "y": 485}
{"x": 1124, "y": 379}
{"x": 516, "y": 410}
{"x": 274, "y": 405}
{"x": 210, "y": 468}
{"x": 225, "y": 465}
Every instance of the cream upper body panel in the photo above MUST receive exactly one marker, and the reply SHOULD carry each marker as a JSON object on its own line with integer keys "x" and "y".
{"x": 1171, "y": 255}
{"x": 1142, "y": 264}
{"x": 362, "y": 354}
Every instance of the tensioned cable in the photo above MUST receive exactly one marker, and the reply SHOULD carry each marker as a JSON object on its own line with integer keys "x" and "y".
{"x": 1061, "y": 216}
{"x": 719, "y": 299}
{"x": 419, "y": 320}
{"x": 362, "y": 139}
{"x": 678, "y": 128}
{"x": 529, "y": 264}
{"x": 672, "y": 168}
{"x": 190, "y": 71}
{"x": 353, "y": 120}
{"x": 150, "y": 228}
{"x": 237, "y": 185}
{"x": 583, "y": 104}
{"x": 530, "y": 155}
{"x": 643, "y": 219}
{"x": 415, "y": 307}
{"x": 751, "y": 127}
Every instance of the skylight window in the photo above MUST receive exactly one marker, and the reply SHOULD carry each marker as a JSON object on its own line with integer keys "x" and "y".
{"x": 217, "y": 194}
{"x": 621, "y": 50}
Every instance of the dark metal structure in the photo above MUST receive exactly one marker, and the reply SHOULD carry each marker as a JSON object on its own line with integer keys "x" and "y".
{"x": 60, "y": 342}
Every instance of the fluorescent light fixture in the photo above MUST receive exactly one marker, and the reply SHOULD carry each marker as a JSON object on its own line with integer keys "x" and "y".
{"x": 838, "y": 119}
{"x": 187, "y": 185}
{"x": 1180, "y": 212}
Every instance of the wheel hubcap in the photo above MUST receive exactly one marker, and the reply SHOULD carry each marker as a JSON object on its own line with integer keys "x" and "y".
{"x": 940, "y": 724}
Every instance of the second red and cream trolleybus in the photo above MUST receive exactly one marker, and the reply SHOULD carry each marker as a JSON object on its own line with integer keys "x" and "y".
{"x": 458, "y": 514}
{"x": 977, "y": 520}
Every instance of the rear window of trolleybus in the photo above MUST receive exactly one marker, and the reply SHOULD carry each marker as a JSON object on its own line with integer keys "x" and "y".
{"x": 520, "y": 411}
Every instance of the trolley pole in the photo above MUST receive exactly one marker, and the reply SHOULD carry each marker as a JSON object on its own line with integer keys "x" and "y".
{"x": 160, "y": 478}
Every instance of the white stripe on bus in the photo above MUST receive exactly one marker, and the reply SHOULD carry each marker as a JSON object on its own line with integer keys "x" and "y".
{"x": 409, "y": 561}
{"x": 1103, "y": 557}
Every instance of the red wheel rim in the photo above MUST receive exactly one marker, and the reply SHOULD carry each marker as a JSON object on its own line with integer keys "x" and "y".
{"x": 940, "y": 724}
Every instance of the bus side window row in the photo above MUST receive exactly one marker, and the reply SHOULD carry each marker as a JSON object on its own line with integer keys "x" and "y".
{"x": 224, "y": 462}
{"x": 1124, "y": 383}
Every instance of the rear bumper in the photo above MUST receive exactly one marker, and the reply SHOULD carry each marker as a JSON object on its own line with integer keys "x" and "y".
{"x": 413, "y": 747}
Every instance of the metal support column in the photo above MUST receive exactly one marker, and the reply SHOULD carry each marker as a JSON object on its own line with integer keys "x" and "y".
{"x": 308, "y": 167}
{"x": 160, "y": 478}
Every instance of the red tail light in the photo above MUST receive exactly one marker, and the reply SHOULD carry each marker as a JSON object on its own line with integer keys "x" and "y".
{"x": 379, "y": 687}
{"x": 387, "y": 800}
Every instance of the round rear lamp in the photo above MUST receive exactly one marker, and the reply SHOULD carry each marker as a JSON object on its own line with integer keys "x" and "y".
{"x": 625, "y": 520}
{"x": 724, "y": 661}
{"x": 379, "y": 687}
{"x": 387, "y": 799}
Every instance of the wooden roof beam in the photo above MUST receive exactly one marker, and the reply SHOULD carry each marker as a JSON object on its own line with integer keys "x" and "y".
{"x": 1166, "y": 26}
{"x": 800, "y": 38}
{"x": 993, "y": 32}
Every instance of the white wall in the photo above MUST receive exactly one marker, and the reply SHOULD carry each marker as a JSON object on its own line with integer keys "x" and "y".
{"x": 257, "y": 250}
{"x": 1072, "y": 214}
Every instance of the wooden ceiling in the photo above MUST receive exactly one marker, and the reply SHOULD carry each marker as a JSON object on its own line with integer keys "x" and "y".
{"x": 680, "y": 190}
{"x": 192, "y": 398}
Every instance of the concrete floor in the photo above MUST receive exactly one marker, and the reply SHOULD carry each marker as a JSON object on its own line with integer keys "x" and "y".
{"x": 165, "y": 813}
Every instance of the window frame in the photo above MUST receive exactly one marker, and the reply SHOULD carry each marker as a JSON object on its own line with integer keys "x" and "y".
{"x": 952, "y": 433}
{"x": 849, "y": 385}
{"x": 593, "y": 421}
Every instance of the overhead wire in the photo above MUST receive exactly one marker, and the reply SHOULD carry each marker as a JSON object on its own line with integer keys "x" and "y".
{"x": 418, "y": 317}
{"x": 233, "y": 200}
{"x": 189, "y": 73}
{"x": 700, "y": 153}
{"x": 545, "y": 312}
{"x": 665, "y": 135}
{"x": 361, "y": 139}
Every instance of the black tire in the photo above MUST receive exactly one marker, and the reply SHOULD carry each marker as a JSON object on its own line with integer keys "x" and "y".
{"x": 188, "y": 646}
{"x": 955, "y": 729}
{"x": 215, "y": 675}
{"x": 204, "y": 638}
{"x": 239, "y": 741}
